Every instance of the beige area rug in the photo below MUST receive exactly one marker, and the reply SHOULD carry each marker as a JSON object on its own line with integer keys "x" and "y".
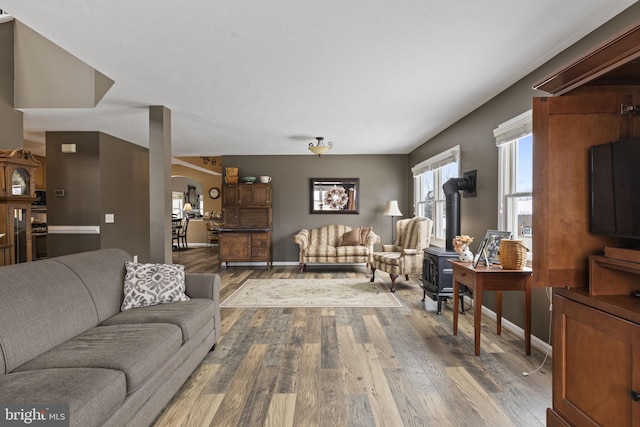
{"x": 311, "y": 293}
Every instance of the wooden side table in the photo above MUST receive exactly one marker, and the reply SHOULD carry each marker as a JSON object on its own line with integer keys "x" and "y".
{"x": 492, "y": 278}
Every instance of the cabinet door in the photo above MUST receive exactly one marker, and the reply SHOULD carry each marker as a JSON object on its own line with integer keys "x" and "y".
{"x": 254, "y": 195}
{"x": 262, "y": 194}
{"x": 230, "y": 216}
{"x": 564, "y": 128}
{"x": 21, "y": 232}
{"x": 235, "y": 246}
{"x": 245, "y": 194}
{"x": 593, "y": 366}
{"x": 229, "y": 195}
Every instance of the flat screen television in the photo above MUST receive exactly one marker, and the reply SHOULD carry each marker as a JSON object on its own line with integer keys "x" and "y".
{"x": 615, "y": 189}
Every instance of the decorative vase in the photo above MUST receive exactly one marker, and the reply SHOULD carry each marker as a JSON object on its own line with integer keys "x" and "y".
{"x": 466, "y": 256}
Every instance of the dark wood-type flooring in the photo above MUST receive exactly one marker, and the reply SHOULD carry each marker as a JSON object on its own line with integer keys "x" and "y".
{"x": 355, "y": 366}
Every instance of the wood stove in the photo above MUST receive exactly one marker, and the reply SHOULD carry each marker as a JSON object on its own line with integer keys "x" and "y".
{"x": 437, "y": 276}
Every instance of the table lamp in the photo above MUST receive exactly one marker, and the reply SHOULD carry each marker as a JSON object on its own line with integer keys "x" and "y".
{"x": 392, "y": 210}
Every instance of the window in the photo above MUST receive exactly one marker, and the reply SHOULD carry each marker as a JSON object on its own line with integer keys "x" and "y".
{"x": 515, "y": 177}
{"x": 429, "y": 198}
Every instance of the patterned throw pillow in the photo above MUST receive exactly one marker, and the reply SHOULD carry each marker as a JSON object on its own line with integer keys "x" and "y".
{"x": 151, "y": 284}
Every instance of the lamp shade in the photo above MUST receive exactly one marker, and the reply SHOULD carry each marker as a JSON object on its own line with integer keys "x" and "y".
{"x": 188, "y": 207}
{"x": 392, "y": 209}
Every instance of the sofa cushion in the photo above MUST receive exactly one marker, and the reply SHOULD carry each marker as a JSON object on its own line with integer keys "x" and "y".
{"x": 330, "y": 235}
{"x": 391, "y": 258}
{"x": 150, "y": 284}
{"x": 102, "y": 272}
{"x": 321, "y": 251}
{"x": 138, "y": 350}
{"x": 190, "y": 316}
{"x": 353, "y": 237}
{"x": 92, "y": 394}
{"x": 345, "y": 251}
{"x": 42, "y": 304}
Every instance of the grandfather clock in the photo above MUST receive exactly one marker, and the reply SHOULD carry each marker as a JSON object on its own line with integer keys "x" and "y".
{"x": 17, "y": 193}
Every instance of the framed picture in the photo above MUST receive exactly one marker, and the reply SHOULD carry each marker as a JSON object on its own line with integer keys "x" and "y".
{"x": 488, "y": 250}
{"x": 333, "y": 195}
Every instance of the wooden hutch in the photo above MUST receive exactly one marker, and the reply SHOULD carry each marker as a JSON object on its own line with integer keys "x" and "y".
{"x": 245, "y": 235}
{"x": 17, "y": 193}
{"x": 596, "y": 321}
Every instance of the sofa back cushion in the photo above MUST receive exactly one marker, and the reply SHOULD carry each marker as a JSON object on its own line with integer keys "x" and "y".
{"x": 327, "y": 235}
{"x": 42, "y": 304}
{"x": 102, "y": 272}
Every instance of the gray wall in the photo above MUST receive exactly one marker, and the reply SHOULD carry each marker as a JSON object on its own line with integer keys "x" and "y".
{"x": 382, "y": 178}
{"x": 105, "y": 175}
{"x": 474, "y": 133}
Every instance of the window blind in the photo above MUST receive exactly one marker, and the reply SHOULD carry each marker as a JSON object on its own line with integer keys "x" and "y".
{"x": 513, "y": 129}
{"x": 450, "y": 156}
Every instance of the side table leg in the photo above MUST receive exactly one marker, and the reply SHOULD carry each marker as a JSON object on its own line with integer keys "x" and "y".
{"x": 477, "y": 317}
{"x": 456, "y": 289}
{"x": 499, "y": 312}
{"x": 527, "y": 316}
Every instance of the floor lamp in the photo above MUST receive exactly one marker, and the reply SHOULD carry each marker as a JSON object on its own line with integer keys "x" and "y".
{"x": 392, "y": 210}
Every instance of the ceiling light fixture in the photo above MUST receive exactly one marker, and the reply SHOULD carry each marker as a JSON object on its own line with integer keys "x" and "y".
{"x": 320, "y": 148}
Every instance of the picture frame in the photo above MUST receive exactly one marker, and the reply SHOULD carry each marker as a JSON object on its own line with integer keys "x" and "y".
{"x": 488, "y": 250}
{"x": 334, "y": 195}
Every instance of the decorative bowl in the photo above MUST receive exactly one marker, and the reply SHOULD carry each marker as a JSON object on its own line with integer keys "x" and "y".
{"x": 248, "y": 179}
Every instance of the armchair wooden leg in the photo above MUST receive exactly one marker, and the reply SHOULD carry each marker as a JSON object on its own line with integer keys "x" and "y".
{"x": 373, "y": 273}
{"x": 393, "y": 282}
{"x": 406, "y": 276}
{"x": 302, "y": 267}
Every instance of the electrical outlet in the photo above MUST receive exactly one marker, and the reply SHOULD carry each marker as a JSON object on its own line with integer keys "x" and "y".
{"x": 109, "y": 218}
{"x": 135, "y": 258}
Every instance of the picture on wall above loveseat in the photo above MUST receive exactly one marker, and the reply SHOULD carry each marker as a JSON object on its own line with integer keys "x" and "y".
{"x": 333, "y": 195}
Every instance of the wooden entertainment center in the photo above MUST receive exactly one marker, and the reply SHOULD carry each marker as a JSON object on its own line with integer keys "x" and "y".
{"x": 596, "y": 319}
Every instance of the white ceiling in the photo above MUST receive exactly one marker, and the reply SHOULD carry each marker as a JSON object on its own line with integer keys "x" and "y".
{"x": 266, "y": 77}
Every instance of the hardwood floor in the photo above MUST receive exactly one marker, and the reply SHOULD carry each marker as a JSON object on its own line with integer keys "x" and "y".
{"x": 355, "y": 366}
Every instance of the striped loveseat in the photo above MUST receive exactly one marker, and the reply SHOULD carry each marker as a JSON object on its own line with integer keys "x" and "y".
{"x": 336, "y": 243}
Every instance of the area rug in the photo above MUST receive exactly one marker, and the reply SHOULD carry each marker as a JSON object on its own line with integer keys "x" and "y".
{"x": 311, "y": 293}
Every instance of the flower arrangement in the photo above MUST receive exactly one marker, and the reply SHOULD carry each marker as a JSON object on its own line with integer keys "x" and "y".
{"x": 460, "y": 243}
{"x": 336, "y": 198}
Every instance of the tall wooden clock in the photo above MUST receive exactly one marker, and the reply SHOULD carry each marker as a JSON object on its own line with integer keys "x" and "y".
{"x": 17, "y": 193}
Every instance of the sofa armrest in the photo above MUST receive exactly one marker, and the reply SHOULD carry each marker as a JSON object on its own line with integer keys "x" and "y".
{"x": 372, "y": 239}
{"x": 302, "y": 239}
{"x": 203, "y": 285}
{"x": 391, "y": 248}
{"x": 409, "y": 252}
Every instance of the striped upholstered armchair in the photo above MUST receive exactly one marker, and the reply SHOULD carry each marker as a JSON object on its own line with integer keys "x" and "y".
{"x": 406, "y": 256}
{"x": 336, "y": 244}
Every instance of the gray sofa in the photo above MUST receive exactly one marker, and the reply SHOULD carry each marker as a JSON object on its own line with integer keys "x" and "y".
{"x": 64, "y": 340}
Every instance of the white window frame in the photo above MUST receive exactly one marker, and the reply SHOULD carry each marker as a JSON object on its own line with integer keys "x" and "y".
{"x": 434, "y": 165}
{"x": 507, "y": 134}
